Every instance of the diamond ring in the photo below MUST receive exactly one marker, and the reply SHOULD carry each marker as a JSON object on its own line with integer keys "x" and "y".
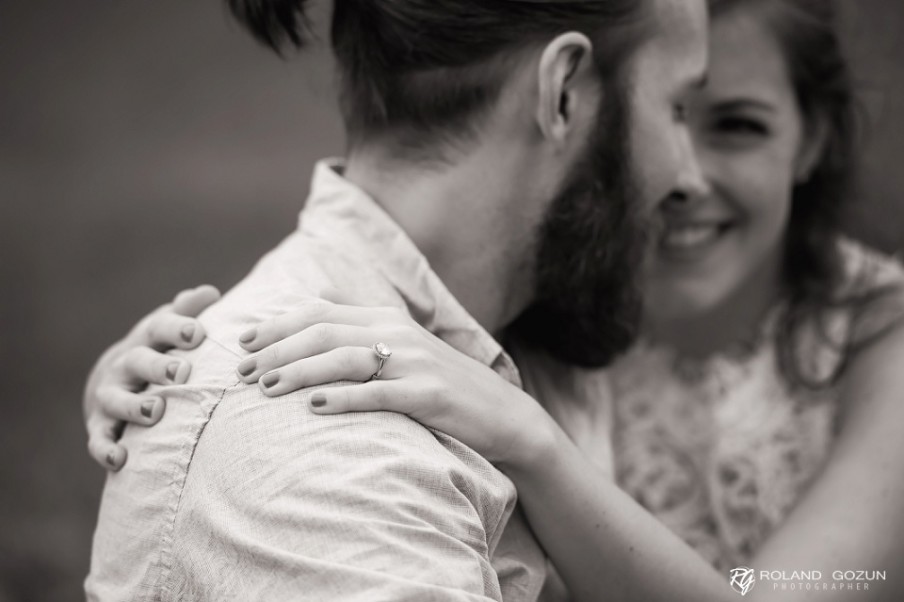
{"x": 383, "y": 352}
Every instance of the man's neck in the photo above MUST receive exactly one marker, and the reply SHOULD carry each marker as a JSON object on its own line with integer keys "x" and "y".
{"x": 459, "y": 216}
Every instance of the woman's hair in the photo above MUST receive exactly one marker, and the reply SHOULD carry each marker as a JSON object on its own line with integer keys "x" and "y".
{"x": 423, "y": 70}
{"x": 815, "y": 271}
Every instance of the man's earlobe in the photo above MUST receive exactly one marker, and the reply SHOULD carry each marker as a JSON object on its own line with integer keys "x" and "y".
{"x": 561, "y": 63}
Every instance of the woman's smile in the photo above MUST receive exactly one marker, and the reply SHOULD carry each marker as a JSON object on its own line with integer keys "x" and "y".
{"x": 692, "y": 239}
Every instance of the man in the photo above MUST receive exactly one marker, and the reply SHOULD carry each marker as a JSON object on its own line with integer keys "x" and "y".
{"x": 495, "y": 147}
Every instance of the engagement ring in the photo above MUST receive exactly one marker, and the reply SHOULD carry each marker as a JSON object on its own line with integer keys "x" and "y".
{"x": 382, "y": 351}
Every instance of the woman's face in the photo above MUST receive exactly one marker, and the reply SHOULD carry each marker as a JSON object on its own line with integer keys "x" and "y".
{"x": 724, "y": 240}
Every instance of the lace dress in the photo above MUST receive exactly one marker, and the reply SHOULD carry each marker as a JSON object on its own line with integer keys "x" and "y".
{"x": 720, "y": 450}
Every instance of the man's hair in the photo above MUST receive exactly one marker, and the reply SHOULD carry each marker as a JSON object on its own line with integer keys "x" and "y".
{"x": 423, "y": 71}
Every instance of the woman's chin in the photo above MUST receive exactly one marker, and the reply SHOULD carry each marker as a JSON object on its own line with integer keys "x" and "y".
{"x": 670, "y": 304}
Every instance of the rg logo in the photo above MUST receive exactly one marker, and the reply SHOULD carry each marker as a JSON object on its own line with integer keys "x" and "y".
{"x": 742, "y": 579}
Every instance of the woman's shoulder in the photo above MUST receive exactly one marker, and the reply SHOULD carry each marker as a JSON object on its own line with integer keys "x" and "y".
{"x": 871, "y": 291}
{"x": 867, "y": 300}
{"x": 867, "y": 269}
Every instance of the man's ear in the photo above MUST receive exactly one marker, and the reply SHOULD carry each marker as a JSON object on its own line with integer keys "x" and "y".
{"x": 564, "y": 70}
{"x": 812, "y": 146}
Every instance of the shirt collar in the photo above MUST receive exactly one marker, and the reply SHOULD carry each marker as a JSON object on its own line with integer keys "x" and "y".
{"x": 336, "y": 207}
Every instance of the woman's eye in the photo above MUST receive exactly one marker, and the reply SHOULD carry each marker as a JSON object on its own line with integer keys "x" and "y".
{"x": 741, "y": 126}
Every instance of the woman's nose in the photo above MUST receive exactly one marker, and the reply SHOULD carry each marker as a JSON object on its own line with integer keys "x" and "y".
{"x": 692, "y": 182}
{"x": 692, "y": 185}
{"x": 678, "y": 202}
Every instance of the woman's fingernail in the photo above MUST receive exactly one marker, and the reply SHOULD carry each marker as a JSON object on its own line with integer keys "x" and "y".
{"x": 248, "y": 336}
{"x": 269, "y": 380}
{"x": 147, "y": 407}
{"x": 188, "y": 332}
{"x": 172, "y": 370}
{"x": 318, "y": 399}
{"x": 111, "y": 458}
{"x": 247, "y": 367}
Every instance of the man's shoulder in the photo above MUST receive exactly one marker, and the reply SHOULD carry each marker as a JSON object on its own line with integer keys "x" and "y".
{"x": 297, "y": 271}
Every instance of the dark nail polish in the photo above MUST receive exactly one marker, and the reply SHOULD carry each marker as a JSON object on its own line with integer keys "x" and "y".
{"x": 247, "y": 367}
{"x": 171, "y": 370}
{"x": 147, "y": 408}
{"x": 248, "y": 336}
{"x": 270, "y": 380}
{"x": 188, "y": 332}
{"x": 318, "y": 399}
{"x": 111, "y": 459}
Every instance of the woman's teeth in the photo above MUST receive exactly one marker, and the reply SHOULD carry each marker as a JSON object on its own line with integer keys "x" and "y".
{"x": 684, "y": 237}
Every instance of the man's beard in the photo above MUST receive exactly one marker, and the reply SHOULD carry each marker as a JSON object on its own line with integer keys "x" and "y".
{"x": 587, "y": 304}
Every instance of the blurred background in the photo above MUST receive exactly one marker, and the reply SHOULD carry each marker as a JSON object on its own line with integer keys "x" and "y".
{"x": 147, "y": 146}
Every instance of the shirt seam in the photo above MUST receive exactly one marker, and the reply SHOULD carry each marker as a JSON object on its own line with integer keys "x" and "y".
{"x": 179, "y": 478}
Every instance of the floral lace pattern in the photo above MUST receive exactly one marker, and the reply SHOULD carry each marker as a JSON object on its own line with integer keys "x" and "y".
{"x": 719, "y": 458}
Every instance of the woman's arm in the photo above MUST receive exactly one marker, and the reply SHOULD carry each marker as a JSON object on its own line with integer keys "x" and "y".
{"x": 852, "y": 517}
{"x": 604, "y": 543}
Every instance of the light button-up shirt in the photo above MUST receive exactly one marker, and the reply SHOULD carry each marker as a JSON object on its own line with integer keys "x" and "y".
{"x": 237, "y": 496}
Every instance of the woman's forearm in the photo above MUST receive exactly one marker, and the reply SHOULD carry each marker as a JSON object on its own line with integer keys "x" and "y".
{"x": 603, "y": 543}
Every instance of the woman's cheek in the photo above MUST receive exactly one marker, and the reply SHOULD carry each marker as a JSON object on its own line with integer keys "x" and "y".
{"x": 767, "y": 203}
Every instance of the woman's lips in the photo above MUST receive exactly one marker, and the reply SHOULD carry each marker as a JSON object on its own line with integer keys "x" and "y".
{"x": 690, "y": 240}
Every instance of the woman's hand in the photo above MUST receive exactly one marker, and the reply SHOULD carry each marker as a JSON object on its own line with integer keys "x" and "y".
{"x": 424, "y": 377}
{"x": 112, "y": 394}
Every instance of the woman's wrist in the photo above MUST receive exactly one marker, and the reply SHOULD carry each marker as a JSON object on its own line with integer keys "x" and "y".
{"x": 534, "y": 441}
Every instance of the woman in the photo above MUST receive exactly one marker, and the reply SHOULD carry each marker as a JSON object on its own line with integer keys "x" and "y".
{"x": 759, "y": 406}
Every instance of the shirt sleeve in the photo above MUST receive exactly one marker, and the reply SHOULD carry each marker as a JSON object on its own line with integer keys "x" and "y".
{"x": 283, "y": 504}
